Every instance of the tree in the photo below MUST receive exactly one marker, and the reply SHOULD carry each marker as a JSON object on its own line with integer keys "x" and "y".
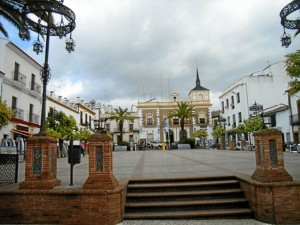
{"x": 201, "y": 134}
{"x": 292, "y": 65}
{"x": 120, "y": 116}
{"x": 61, "y": 126}
{"x": 83, "y": 135}
{"x": 182, "y": 112}
{"x": 254, "y": 124}
{"x": 218, "y": 132}
{"x": 5, "y": 114}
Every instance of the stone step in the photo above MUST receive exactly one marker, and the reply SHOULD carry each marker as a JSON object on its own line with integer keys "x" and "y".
{"x": 197, "y": 214}
{"x": 193, "y": 185}
{"x": 196, "y": 195}
{"x": 219, "y": 197}
{"x": 186, "y": 205}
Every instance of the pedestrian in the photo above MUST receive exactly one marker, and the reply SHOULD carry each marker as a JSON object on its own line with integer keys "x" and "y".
{"x": 82, "y": 147}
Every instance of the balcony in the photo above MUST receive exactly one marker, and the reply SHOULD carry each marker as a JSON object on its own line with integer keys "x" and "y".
{"x": 117, "y": 130}
{"x": 21, "y": 78}
{"x": 18, "y": 113}
{"x": 85, "y": 124}
{"x": 34, "y": 118}
{"x": 36, "y": 87}
{"x": 295, "y": 119}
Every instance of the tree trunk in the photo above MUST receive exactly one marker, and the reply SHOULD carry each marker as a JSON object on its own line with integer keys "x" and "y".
{"x": 121, "y": 131}
{"x": 182, "y": 129}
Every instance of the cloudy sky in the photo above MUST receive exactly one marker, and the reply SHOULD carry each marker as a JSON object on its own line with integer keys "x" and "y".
{"x": 136, "y": 50}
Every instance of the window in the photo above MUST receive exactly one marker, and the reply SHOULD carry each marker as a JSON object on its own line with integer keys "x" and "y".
{"x": 16, "y": 71}
{"x": 14, "y": 102}
{"x": 202, "y": 118}
{"x": 240, "y": 117}
{"x": 233, "y": 121}
{"x": 232, "y": 102}
{"x": 107, "y": 126}
{"x": 222, "y": 106}
{"x": 32, "y": 81}
{"x": 131, "y": 127}
{"x": 31, "y": 113}
{"x": 227, "y": 103}
{"x": 149, "y": 120}
{"x": 175, "y": 120}
{"x": 273, "y": 120}
{"x": 228, "y": 121}
{"x": 238, "y": 97}
{"x": 288, "y": 137}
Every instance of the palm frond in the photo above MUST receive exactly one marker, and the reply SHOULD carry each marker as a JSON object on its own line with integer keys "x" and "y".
{"x": 3, "y": 31}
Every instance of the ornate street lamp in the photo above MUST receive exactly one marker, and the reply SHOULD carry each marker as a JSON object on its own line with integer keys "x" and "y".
{"x": 38, "y": 16}
{"x": 288, "y": 23}
{"x": 285, "y": 40}
{"x": 256, "y": 108}
{"x": 70, "y": 44}
{"x": 38, "y": 46}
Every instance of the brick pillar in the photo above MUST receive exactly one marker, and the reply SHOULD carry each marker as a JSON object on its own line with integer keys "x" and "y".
{"x": 41, "y": 163}
{"x": 100, "y": 164}
{"x": 269, "y": 157}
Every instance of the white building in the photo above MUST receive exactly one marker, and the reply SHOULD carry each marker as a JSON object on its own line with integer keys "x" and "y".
{"x": 266, "y": 88}
{"x": 20, "y": 89}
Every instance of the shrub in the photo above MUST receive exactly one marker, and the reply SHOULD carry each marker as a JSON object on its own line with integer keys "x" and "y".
{"x": 188, "y": 141}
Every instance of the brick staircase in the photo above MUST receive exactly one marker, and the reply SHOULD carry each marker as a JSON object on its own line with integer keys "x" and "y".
{"x": 190, "y": 198}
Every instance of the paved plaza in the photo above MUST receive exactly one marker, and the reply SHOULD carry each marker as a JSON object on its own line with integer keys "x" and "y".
{"x": 171, "y": 164}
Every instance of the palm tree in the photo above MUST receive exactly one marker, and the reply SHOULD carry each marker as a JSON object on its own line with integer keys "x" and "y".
{"x": 183, "y": 111}
{"x": 11, "y": 11}
{"x": 120, "y": 116}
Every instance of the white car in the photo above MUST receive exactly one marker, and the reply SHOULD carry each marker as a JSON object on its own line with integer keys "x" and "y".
{"x": 155, "y": 144}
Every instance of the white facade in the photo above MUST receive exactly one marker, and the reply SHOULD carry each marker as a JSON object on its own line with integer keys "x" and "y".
{"x": 267, "y": 88}
{"x": 21, "y": 88}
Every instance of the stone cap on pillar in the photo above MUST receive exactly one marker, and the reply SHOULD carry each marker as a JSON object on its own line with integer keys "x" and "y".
{"x": 100, "y": 138}
{"x": 267, "y": 132}
{"x": 42, "y": 137}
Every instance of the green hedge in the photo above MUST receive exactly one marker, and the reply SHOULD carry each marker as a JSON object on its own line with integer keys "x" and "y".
{"x": 188, "y": 141}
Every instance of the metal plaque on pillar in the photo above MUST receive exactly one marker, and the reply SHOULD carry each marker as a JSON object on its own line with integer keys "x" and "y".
{"x": 99, "y": 158}
{"x": 273, "y": 152}
{"x": 37, "y": 160}
{"x": 259, "y": 153}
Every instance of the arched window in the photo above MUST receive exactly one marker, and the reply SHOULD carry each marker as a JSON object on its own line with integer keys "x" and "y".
{"x": 149, "y": 120}
{"x": 202, "y": 118}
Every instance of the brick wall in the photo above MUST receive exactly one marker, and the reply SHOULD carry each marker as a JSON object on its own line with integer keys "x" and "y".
{"x": 62, "y": 206}
{"x": 275, "y": 203}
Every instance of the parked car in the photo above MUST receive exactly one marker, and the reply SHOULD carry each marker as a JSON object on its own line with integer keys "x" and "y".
{"x": 148, "y": 145}
{"x": 155, "y": 144}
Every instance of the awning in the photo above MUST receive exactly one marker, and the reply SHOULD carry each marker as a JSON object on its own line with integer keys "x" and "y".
{"x": 22, "y": 132}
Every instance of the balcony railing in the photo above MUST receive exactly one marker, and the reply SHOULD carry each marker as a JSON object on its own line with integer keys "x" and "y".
{"x": 34, "y": 118}
{"x": 117, "y": 130}
{"x": 36, "y": 87}
{"x": 295, "y": 119}
{"x": 18, "y": 113}
{"x": 20, "y": 78}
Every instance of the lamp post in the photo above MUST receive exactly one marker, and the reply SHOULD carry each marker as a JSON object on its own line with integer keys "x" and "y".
{"x": 288, "y": 23}
{"x": 38, "y": 16}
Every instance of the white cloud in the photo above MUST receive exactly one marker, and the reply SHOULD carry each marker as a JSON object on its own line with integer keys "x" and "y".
{"x": 133, "y": 50}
